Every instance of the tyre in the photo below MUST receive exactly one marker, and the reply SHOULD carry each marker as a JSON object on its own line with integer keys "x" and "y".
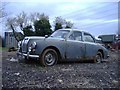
{"x": 98, "y": 57}
{"x": 49, "y": 57}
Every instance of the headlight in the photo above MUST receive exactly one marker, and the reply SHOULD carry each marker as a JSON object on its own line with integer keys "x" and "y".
{"x": 32, "y": 46}
{"x": 29, "y": 49}
{"x": 19, "y": 45}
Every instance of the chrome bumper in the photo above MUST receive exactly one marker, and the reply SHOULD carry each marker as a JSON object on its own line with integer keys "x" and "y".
{"x": 27, "y": 55}
{"x": 108, "y": 56}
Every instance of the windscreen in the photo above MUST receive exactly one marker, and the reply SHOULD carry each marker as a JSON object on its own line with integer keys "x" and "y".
{"x": 60, "y": 33}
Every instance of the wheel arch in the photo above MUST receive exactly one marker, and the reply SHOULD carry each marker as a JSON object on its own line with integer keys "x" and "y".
{"x": 101, "y": 51}
{"x": 54, "y": 48}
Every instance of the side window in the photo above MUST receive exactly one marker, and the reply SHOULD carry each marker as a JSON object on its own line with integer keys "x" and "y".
{"x": 88, "y": 38}
{"x": 76, "y": 35}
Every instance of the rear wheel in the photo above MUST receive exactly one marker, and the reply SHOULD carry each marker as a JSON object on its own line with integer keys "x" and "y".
{"x": 49, "y": 57}
{"x": 98, "y": 58}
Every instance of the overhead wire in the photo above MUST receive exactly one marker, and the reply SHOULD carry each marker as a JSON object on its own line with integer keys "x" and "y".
{"x": 107, "y": 14}
{"x": 90, "y": 8}
{"x": 93, "y": 24}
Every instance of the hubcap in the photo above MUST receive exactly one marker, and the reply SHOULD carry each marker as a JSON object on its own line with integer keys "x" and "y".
{"x": 98, "y": 58}
{"x": 50, "y": 58}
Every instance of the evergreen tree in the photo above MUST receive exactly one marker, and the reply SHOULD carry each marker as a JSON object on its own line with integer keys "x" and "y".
{"x": 28, "y": 31}
{"x": 42, "y": 26}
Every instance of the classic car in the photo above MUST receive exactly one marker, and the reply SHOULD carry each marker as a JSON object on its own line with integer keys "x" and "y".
{"x": 62, "y": 45}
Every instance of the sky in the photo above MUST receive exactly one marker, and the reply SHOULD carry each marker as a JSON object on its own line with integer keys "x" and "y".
{"x": 93, "y": 16}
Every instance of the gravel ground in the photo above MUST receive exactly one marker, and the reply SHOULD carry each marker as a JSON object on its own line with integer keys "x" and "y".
{"x": 62, "y": 75}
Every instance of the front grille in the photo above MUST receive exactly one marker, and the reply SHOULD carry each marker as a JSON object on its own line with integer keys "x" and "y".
{"x": 24, "y": 45}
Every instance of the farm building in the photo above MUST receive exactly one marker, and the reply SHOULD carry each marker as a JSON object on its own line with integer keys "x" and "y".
{"x": 109, "y": 40}
{"x": 10, "y": 40}
{"x": 0, "y": 41}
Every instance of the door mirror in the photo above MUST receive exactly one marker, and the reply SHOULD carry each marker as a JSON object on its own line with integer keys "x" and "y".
{"x": 46, "y": 36}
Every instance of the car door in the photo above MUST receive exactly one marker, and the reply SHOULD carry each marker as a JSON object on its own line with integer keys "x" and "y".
{"x": 90, "y": 45}
{"x": 75, "y": 49}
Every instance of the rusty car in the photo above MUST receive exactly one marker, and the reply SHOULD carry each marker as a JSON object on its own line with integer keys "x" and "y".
{"x": 62, "y": 45}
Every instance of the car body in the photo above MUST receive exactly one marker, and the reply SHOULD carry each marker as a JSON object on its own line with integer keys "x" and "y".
{"x": 62, "y": 45}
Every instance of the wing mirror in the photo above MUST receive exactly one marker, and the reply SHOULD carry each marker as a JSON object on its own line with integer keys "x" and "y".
{"x": 46, "y": 36}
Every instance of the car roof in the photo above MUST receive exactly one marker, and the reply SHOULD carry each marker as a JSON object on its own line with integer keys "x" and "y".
{"x": 70, "y": 29}
{"x": 75, "y": 30}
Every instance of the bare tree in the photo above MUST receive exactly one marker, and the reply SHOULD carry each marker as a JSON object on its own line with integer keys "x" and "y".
{"x": 34, "y": 16}
{"x": 37, "y": 16}
{"x": 12, "y": 24}
{"x": 69, "y": 24}
{"x": 59, "y": 20}
{"x": 43, "y": 16}
{"x": 2, "y": 9}
{"x": 62, "y": 23}
{"x": 22, "y": 20}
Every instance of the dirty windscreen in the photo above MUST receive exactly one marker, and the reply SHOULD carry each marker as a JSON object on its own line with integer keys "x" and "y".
{"x": 60, "y": 34}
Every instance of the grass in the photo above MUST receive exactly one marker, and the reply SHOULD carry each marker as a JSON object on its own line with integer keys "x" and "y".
{"x": 3, "y": 49}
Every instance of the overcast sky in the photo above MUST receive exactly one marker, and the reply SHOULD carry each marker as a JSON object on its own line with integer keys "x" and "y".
{"x": 95, "y": 17}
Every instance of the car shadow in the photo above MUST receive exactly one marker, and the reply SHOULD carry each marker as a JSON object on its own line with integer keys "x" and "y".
{"x": 73, "y": 62}
{"x": 37, "y": 62}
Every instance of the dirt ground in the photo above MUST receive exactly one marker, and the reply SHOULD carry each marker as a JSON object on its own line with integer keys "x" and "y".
{"x": 62, "y": 75}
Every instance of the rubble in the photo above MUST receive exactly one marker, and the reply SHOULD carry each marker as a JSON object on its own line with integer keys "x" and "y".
{"x": 62, "y": 75}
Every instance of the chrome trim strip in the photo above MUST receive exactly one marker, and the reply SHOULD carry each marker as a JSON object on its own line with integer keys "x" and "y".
{"x": 33, "y": 56}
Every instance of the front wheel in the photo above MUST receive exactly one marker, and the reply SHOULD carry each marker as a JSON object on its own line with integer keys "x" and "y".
{"x": 98, "y": 57}
{"x": 49, "y": 57}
